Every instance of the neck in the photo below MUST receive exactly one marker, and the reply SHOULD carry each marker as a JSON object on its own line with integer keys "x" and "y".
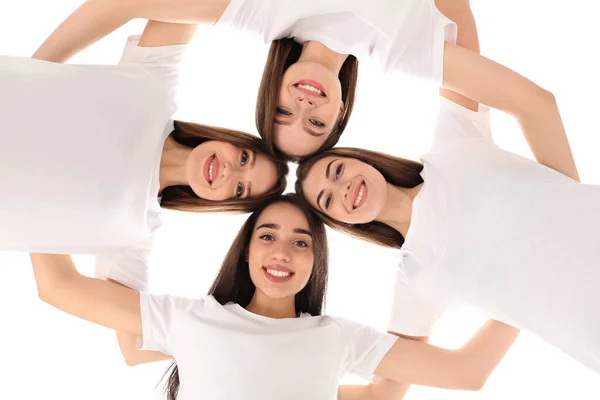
{"x": 319, "y": 53}
{"x": 272, "y": 308}
{"x": 173, "y": 164}
{"x": 397, "y": 211}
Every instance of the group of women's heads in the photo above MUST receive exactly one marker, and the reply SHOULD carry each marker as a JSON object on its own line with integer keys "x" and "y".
{"x": 281, "y": 250}
{"x": 302, "y": 110}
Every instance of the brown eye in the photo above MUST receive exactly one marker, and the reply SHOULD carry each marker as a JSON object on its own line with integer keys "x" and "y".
{"x": 316, "y": 123}
{"x": 338, "y": 171}
{"x": 281, "y": 111}
{"x": 328, "y": 202}
{"x": 240, "y": 190}
{"x": 244, "y": 158}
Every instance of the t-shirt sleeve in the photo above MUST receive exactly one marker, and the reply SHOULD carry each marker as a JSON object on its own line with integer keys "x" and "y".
{"x": 161, "y": 317}
{"x": 455, "y": 122}
{"x": 412, "y": 314}
{"x": 366, "y": 347}
{"x": 128, "y": 266}
{"x": 162, "y": 62}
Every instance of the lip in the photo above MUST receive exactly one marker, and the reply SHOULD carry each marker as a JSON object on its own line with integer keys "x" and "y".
{"x": 277, "y": 279}
{"x": 215, "y": 169}
{"x": 356, "y": 191}
{"x": 313, "y": 84}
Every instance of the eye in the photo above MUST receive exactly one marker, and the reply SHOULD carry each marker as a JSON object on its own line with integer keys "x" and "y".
{"x": 244, "y": 158}
{"x": 281, "y": 111}
{"x": 240, "y": 190}
{"x": 327, "y": 202}
{"x": 301, "y": 243}
{"x": 267, "y": 236}
{"x": 316, "y": 123}
{"x": 338, "y": 171}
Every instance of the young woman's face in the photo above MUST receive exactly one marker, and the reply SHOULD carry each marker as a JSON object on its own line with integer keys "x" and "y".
{"x": 280, "y": 254}
{"x": 221, "y": 171}
{"x": 308, "y": 108}
{"x": 345, "y": 189}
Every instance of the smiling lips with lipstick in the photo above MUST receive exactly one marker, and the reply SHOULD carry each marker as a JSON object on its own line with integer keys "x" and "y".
{"x": 360, "y": 195}
{"x": 311, "y": 88}
{"x": 277, "y": 273}
{"x": 211, "y": 169}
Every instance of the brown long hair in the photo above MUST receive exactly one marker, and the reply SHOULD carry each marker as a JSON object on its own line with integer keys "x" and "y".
{"x": 397, "y": 171}
{"x": 233, "y": 282}
{"x": 282, "y": 54}
{"x": 183, "y": 198}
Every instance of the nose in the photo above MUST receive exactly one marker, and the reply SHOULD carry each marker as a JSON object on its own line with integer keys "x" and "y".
{"x": 303, "y": 101}
{"x": 345, "y": 189}
{"x": 280, "y": 253}
{"x": 231, "y": 171}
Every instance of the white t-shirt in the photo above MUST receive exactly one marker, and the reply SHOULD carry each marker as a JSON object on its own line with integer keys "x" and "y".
{"x": 80, "y": 150}
{"x": 228, "y": 353}
{"x": 504, "y": 234}
{"x": 405, "y": 35}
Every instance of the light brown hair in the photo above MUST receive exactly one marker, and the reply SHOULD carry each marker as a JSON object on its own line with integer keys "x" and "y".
{"x": 183, "y": 198}
{"x": 397, "y": 171}
{"x": 233, "y": 282}
{"x": 282, "y": 54}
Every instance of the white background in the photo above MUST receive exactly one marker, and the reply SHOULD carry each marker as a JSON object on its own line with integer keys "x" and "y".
{"x": 47, "y": 354}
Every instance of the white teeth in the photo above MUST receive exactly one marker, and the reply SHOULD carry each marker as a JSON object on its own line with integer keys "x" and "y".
{"x": 210, "y": 170}
{"x": 279, "y": 274}
{"x": 361, "y": 192}
{"x": 310, "y": 88}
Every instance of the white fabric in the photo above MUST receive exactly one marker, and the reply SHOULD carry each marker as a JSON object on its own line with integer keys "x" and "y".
{"x": 504, "y": 234}
{"x": 406, "y": 35}
{"x": 80, "y": 150}
{"x": 226, "y": 352}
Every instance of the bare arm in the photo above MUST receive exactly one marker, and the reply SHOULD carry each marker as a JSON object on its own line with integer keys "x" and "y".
{"x": 95, "y": 300}
{"x": 386, "y": 389}
{"x": 466, "y": 368}
{"x": 492, "y": 84}
{"x": 97, "y": 18}
{"x": 128, "y": 345}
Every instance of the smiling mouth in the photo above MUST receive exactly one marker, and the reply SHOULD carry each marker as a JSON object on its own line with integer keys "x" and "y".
{"x": 360, "y": 195}
{"x": 311, "y": 88}
{"x": 211, "y": 168}
{"x": 278, "y": 275}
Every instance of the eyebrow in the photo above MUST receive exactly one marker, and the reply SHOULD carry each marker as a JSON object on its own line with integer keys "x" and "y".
{"x": 327, "y": 170}
{"x": 311, "y": 133}
{"x": 277, "y": 226}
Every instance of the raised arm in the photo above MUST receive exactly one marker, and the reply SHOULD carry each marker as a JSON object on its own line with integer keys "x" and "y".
{"x": 95, "y": 300}
{"x": 494, "y": 85}
{"x": 466, "y": 368}
{"x": 97, "y": 18}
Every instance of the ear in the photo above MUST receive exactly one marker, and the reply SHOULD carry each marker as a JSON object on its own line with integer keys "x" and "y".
{"x": 342, "y": 113}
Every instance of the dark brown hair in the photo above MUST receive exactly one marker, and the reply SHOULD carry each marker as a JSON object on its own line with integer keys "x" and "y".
{"x": 192, "y": 135}
{"x": 233, "y": 282}
{"x": 397, "y": 171}
{"x": 282, "y": 54}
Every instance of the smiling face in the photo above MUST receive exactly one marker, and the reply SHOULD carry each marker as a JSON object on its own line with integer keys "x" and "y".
{"x": 280, "y": 254}
{"x": 345, "y": 189}
{"x": 309, "y": 107}
{"x": 220, "y": 171}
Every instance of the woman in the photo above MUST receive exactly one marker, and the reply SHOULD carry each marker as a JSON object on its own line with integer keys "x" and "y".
{"x": 90, "y": 173}
{"x": 475, "y": 225}
{"x": 260, "y": 333}
{"x": 307, "y": 91}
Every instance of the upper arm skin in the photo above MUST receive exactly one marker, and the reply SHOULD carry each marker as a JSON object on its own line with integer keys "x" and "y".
{"x": 384, "y": 389}
{"x": 158, "y": 34}
{"x": 466, "y": 368}
{"x": 95, "y": 300}
{"x": 175, "y": 11}
{"x": 128, "y": 346}
{"x": 459, "y": 11}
